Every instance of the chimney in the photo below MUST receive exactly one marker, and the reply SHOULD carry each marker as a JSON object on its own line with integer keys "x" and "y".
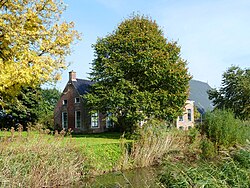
{"x": 72, "y": 76}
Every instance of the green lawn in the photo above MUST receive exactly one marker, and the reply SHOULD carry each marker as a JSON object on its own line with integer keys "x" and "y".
{"x": 96, "y": 139}
{"x": 79, "y": 139}
{"x": 102, "y": 151}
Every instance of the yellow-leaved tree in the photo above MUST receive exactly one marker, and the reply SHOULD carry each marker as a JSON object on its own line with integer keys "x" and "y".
{"x": 33, "y": 44}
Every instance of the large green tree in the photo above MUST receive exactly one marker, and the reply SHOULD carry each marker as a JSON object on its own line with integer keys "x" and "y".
{"x": 32, "y": 105}
{"x": 34, "y": 42}
{"x": 49, "y": 99}
{"x": 234, "y": 93}
{"x": 138, "y": 73}
{"x": 23, "y": 110}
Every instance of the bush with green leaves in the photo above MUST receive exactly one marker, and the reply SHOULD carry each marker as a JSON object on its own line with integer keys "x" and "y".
{"x": 207, "y": 148}
{"x": 223, "y": 129}
{"x": 232, "y": 171}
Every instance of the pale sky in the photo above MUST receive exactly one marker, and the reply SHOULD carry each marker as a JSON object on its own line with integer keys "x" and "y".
{"x": 213, "y": 34}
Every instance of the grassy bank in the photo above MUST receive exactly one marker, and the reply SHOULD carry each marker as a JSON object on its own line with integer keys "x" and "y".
{"x": 194, "y": 158}
{"x": 39, "y": 161}
{"x": 42, "y": 159}
{"x": 232, "y": 170}
{"x": 216, "y": 154}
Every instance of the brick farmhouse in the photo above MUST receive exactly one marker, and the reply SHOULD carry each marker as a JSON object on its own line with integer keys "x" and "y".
{"x": 70, "y": 111}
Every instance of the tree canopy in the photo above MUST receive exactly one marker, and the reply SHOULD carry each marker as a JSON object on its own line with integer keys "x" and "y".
{"x": 234, "y": 93}
{"x": 49, "y": 99}
{"x": 23, "y": 109}
{"x": 33, "y": 44}
{"x": 138, "y": 73}
{"x": 32, "y": 105}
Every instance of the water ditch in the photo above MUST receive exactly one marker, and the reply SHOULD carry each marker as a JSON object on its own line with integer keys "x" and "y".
{"x": 141, "y": 177}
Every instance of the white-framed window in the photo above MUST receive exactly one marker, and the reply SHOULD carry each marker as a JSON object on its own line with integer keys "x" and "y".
{"x": 65, "y": 102}
{"x": 181, "y": 118}
{"x": 77, "y": 119}
{"x": 64, "y": 120}
{"x": 109, "y": 122}
{"x": 77, "y": 100}
{"x": 94, "y": 120}
{"x": 189, "y": 115}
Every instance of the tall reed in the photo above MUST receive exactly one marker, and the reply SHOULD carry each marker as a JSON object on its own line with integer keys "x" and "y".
{"x": 38, "y": 161}
{"x": 154, "y": 140}
{"x": 231, "y": 171}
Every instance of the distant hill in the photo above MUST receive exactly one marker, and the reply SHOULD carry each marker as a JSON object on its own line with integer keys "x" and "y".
{"x": 198, "y": 94}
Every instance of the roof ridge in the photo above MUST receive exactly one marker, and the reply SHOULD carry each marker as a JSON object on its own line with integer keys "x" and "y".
{"x": 192, "y": 80}
{"x": 83, "y": 79}
{"x": 82, "y": 85}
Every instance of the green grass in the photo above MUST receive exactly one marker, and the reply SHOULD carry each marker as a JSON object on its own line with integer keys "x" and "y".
{"x": 96, "y": 139}
{"x": 79, "y": 139}
{"x": 230, "y": 172}
{"x": 189, "y": 167}
{"x": 89, "y": 154}
{"x": 39, "y": 161}
{"x": 99, "y": 153}
{"x": 103, "y": 151}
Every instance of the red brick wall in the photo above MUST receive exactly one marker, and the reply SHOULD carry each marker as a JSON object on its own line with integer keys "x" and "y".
{"x": 69, "y": 94}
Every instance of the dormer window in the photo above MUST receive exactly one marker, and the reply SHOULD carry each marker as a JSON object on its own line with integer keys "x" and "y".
{"x": 65, "y": 102}
{"x": 77, "y": 100}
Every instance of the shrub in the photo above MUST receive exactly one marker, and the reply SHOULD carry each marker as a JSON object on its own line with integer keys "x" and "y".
{"x": 230, "y": 172}
{"x": 223, "y": 129}
{"x": 242, "y": 157}
{"x": 207, "y": 148}
{"x": 193, "y": 135}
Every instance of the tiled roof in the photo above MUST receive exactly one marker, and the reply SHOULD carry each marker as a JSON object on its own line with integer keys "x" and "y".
{"x": 82, "y": 86}
{"x": 198, "y": 94}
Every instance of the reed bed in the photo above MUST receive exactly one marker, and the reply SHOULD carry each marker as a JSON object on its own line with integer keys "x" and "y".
{"x": 44, "y": 159}
{"x": 39, "y": 160}
{"x": 154, "y": 141}
{"x": 233, "y": 170}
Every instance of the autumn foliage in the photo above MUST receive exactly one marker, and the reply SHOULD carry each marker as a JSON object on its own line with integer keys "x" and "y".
{"x": 33, "y": 43}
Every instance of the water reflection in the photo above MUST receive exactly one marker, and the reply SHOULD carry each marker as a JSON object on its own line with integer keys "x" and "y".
{"x": 143, "y": 177}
